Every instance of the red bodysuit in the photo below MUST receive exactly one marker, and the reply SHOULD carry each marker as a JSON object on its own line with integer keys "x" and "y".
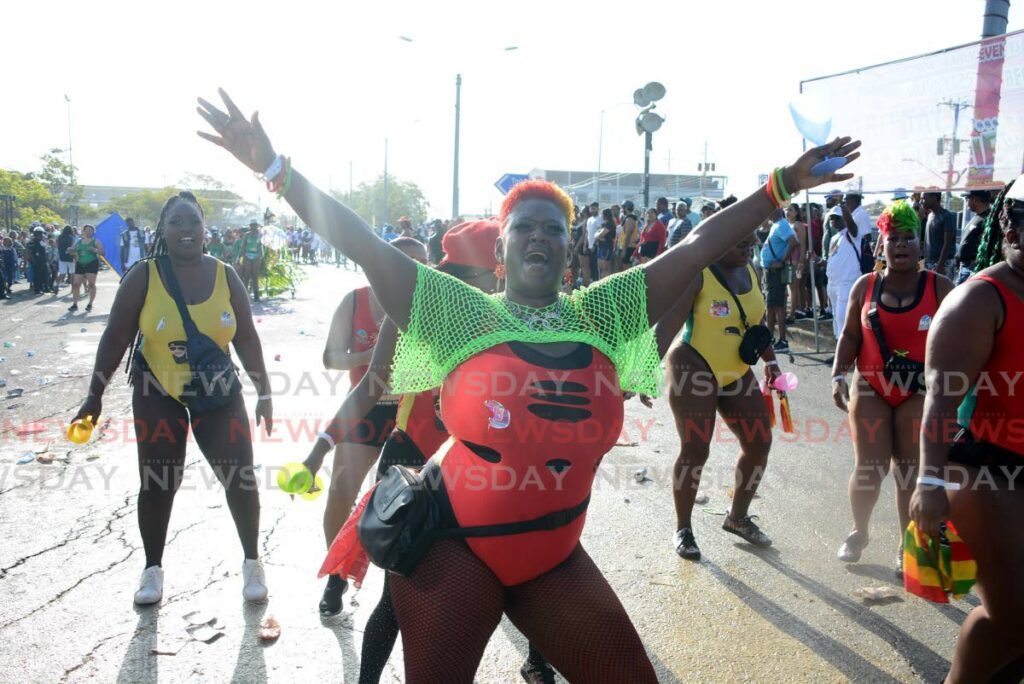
{"x": 530, "y": 433}
{"x": 998, "y": 416}
{"x": 906, "y": 331}
{"x": 364, "y": 332}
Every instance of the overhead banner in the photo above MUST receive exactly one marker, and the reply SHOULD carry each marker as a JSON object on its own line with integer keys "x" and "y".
{"x": 950, "y": 120}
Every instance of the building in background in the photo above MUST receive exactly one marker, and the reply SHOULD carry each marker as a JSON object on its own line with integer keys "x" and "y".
{"x": 582, "y": 186}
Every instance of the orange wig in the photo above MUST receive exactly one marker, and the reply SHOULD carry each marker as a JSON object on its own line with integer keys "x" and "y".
{"x": 537, "y": 189}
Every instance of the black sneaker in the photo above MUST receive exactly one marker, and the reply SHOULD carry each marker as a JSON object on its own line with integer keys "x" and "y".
{"x": 790, "y": 320}
{"x": 686, "y": 545}
{"x": 537, "y": 673}
{"x": 781, "y": 345}
{"x": 73, "y": 308}
{"x": 801, "y": 315}
{"x": 88, "y": 308}
{"x": 748, "y": 530}
{"x": 825, "y": 316}
{"x": 330, "y": 602}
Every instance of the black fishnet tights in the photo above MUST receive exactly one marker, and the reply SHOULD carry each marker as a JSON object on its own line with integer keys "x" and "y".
{"x": 449, "y": 607}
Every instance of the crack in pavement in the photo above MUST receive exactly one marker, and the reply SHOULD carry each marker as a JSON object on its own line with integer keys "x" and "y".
{"x": 25, "y": 559}
{"x": 269, "y": 534}
{"x": 89, "y": 655}
{"x": 66, "y": 591}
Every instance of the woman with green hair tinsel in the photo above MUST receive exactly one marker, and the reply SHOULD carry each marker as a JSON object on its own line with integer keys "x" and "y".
{"x": 970, "y": 476}
{"x": 884, "y": 336}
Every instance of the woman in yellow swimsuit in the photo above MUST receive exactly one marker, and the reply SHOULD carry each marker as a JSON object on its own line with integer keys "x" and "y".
{"x": 707, "y": 374}
{"x": 160, "y": 369}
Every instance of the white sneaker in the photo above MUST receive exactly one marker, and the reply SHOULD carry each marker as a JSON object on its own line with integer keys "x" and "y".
{"x": 151, "y": 586}
{"x": 254, "y": 582}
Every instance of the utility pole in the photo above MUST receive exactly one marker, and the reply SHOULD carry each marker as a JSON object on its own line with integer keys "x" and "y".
{"x": 385, "y": 214}
{"x": 72, "y": 210}
{"x": 954, "y": 144}
{"x": 704, "y": 168}
{"x": 458, "y": 119}
{"x": 648, "y": 146}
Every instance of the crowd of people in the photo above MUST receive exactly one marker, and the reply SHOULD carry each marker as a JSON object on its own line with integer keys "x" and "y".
{"x": 571, "y": 302}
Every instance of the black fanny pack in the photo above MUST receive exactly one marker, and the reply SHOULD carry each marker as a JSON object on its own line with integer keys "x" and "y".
{"x": 756, "y": 338}
{"x": 408, "y": 512}
{"x": 214, "y": 383}
{"x": 969, "y": 451}
{"x": 902, "y": 372}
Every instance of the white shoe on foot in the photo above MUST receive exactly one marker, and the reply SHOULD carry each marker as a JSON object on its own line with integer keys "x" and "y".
{"x": 254, "y": 583}
{"x": 151, "y": 586}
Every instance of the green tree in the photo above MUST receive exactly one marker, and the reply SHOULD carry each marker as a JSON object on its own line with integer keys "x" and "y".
{"x": 59, "y": 177}
{"x": 33, "y": 200}
{"x": 404, "y": 199}
{"x": 145, "y": 205}
{"x": 225, "y": 206}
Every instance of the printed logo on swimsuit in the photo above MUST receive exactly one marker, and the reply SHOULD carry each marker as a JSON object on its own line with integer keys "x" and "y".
{"x": 720, "y": 308}
{"x": 925, "y": 323}
{"x": 501, "y": 417}
{"x": 226, "y": 319}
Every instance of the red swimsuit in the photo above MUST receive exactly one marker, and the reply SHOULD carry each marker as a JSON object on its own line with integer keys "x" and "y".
{"x": 998, "y": 416}
{"x": 364, "y": 332}
{"x": 530, "y": 432}
{"x": 906, "y": 331}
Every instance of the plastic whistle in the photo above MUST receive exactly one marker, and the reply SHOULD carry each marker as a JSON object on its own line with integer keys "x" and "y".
{"x": 80, "y": 430}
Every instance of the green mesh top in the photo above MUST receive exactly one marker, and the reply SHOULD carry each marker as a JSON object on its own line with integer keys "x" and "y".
{"x": 451, "y": 321}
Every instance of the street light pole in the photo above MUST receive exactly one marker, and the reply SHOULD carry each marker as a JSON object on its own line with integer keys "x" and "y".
{"x": 648, "y": 146}
{"x": 72, "y": 210}
{"x": 458, "y": 114}
{"x": 600, "y": 145}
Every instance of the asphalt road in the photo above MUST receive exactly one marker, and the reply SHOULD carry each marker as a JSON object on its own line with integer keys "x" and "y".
{"x": 70, "y": 553}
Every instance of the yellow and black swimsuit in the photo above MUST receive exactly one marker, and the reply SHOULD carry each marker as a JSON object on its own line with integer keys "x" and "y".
{"x": 715, "y": 329}
{"x": 163, "y": 333}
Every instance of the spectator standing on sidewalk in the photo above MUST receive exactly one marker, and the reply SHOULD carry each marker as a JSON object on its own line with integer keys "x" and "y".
{"x": 844, "y": 252}
{"x": 680, "y": 226}
{"x": 980, "y": 203}
{"x": 775, "y": 253}
{"x": 939, "y": 234}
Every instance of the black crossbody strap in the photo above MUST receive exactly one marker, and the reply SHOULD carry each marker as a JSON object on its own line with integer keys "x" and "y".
{"x": 875, "y": 321}
{"x": 739, "y": 305}
{"x": 164, "y": 267}
{"x": 551, "y": 521}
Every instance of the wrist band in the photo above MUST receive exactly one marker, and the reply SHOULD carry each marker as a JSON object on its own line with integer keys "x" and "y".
{"x": 839, "y": 377}
{"x": 780, "y": 185}
{"x": 327, "y": 438}
{"x": 287, "y": 179}
{"x": 275, "y": 168}
{"x": 264, "y": 397}
{"x": 771, "y": 362}
{"x": 938, "y": 482}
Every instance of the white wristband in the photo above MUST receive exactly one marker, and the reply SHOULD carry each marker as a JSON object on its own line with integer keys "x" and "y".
{"x": 938, "y": 482}
{"x": 772, "y": 362}
{"x": 839, "y": 377}
{"x": 265, "y": 397}
{"x": 275, "y": 168}
{"x": 326, "y": 437}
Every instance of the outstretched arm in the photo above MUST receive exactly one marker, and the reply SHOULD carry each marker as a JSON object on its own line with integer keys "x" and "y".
{"x": 676, "y": 268}
{"x": 391, "y": 273}
{"x": 361, "y": 399}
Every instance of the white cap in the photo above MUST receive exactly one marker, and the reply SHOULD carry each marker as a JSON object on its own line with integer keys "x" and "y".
{"x": 835, "y": 211}
{"x": 900, "y": 194}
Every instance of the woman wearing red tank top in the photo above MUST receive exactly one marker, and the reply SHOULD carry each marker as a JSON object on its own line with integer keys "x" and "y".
{"x": 976, "y": 341}
{"x": 888, "y": 318}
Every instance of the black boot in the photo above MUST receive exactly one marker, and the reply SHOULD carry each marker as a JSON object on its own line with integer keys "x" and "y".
{"x": 330, "y": 602}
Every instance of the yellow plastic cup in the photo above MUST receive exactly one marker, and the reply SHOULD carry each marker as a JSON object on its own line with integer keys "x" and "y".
{"x": 295, "y": 478}
{"x": 80, "y": 430}
{"x": 313, "y": 492}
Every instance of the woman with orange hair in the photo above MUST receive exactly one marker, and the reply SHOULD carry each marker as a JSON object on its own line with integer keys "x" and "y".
{"x": 522, "y": 459}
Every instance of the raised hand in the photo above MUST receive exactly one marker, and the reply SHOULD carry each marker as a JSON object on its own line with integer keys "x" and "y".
{"x": 244, "y": 138}
{"x": 799, "y": 177}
